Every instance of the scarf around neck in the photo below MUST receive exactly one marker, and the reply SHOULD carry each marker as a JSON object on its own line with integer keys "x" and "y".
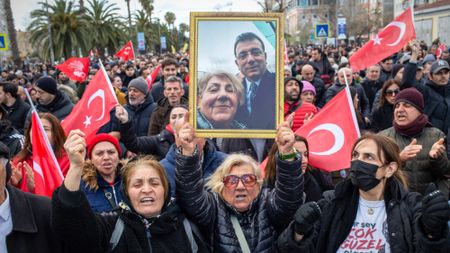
{"x": 413, "y": 128}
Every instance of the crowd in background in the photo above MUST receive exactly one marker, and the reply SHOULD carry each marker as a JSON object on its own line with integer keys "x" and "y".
{"x": 402, "y": 106}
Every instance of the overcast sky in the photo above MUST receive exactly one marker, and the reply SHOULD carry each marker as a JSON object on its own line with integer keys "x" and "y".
{"x": 181, "y": 8}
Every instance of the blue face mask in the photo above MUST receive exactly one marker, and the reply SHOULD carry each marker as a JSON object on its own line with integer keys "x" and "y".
{"x": 362, "y": 175}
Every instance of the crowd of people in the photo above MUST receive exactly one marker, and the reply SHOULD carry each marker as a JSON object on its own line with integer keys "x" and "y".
{"x": 147, "y": 183}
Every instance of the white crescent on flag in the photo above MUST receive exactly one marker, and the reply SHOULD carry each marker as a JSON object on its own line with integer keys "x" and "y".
{"x": 338, "y": 134}
{"x": 98, "y": 93}
{"x": 402, "y": 27}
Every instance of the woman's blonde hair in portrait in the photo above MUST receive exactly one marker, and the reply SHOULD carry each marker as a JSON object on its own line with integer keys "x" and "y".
{"x": 237, "y": 85}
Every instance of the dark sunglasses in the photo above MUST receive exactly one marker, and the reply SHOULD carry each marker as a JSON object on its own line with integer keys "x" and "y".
{"x": 392, "y": 92}
{"x": 232, "y": 181}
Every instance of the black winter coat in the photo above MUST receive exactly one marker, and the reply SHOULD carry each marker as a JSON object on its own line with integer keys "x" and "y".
{"x": 244, "y": 146}
{"x": 436, "y": 98}
{"x": 83, "y": 231}
{"x": 339, "y": 212}
{"x": 156, "y": 145}
{"x": 371, "y": 88}
{"x": 141, "y": 115}
{"x": 268, "y": 215}
{"x": 31, "y": 215}
{"x": 382, "y": 117}
{"x": 364, "y": 106}
{"x": 11, "y": 137}
{"x": 17, "y": 114}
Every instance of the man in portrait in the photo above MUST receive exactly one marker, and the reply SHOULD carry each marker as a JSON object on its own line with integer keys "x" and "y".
{"x": 258, "y": 111}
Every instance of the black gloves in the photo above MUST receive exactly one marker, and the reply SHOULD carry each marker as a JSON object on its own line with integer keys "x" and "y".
{"x": 305, "y": 217}
{"x": 435, "y": 212}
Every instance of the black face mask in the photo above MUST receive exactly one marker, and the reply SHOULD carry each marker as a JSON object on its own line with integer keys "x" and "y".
{"x": 362, "y": 175}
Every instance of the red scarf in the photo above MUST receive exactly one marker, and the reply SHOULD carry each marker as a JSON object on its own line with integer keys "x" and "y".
{"x": 413, "y": 128}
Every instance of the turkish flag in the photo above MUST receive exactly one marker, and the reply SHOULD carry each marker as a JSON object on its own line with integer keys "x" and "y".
{"x": 127, "y": 52}
{"x": 387, "y": 42}
{"x": 440, "y": 50}
{"x": 47, "y": 174}
{"x": 92, "y": 111}
{"x": 151, "y": 78}
{"x": 75, "y": 68}
{"x": 331, "y": 133}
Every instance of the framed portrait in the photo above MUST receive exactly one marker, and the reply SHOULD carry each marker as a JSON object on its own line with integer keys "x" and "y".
{"x": 236, "y": 73}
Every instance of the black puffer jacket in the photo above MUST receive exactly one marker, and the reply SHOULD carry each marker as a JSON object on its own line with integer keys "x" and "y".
{"x": 156, "y": 145}
{"x": 141, "y": 115}
{"x": 268, "y": 215}
{"x": 339, "y": 212}
{"x": 83, "y": 231}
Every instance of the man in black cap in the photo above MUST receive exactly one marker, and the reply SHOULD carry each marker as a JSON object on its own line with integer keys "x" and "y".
{"x": 422, "y": 146}
{"x": 435, "y": 89}
{"x": 24, "y": 217}
{"x": 51, "y": 100}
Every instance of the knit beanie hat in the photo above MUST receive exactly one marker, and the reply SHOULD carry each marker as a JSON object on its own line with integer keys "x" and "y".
{"x": 411, "y": 96}
{"x": 395, "y": 69}
{"x": 140, "y": 84}
{"x": 428, "y": 58}
{"x": 47, "y": 84}
{"x": 307, "y": 86}
{"x": 100, "y": 138}
{"x": 287, "y": 79}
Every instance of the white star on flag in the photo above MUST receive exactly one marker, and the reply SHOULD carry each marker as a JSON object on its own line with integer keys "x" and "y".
{"x": 87, "y": 122}
{"x": 377, "y": 40}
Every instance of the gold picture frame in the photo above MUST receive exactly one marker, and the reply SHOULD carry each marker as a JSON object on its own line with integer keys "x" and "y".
{"x": 236, "y": 74}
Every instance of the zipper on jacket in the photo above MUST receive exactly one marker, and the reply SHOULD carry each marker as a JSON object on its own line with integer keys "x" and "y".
{"x": 149, "y": 236}
{"x": 114, "y": 194}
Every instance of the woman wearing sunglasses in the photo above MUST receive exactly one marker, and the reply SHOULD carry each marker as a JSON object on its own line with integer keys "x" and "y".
{"x": 234, "y": 211}
{"x": 383, "y": 114}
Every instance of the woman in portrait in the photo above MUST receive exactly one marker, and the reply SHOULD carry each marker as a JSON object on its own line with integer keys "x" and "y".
{"x": 219, "y": 96}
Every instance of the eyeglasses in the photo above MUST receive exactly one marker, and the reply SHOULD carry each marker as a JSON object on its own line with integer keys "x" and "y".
{"x": 255, "y": 52}
{"x": 231, "y": 181}
{"x": 392, "y": 92}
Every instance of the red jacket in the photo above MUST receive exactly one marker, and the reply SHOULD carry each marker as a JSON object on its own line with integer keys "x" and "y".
{"x": 301, "y": 109}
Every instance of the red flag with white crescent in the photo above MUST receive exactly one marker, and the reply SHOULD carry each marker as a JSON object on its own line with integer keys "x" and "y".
{"x": 127, "y": 52}
{"x": 92, "y": 111}
{"x": 47, "y": 174}
{"x": 387, "y": 42}
{"x": 76, "y": 69}
{"x": 331, "y": 133}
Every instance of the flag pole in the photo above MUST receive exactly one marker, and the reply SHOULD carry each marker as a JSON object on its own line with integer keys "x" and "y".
{"x": 350, "y": 101}
{"x": 102, "y": 68}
